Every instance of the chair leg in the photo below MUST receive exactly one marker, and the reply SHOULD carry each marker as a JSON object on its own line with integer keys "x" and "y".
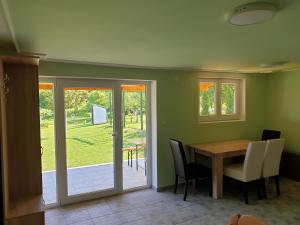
{"x": 258, "y": 189}
{"x": 145, "y": 161}
{"x": 185, "y": 189}
{"x": 136, "y": 159}
{"x": 264, "y": 188}
{"x": 210, "y": 186}
{"x": 176, "y": 184}
{"x": 277, "y": 184}
{"x": 246, "y": 192}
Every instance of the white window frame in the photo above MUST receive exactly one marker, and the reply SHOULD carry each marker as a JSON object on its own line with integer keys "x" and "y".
{"x": 239, "y": 103}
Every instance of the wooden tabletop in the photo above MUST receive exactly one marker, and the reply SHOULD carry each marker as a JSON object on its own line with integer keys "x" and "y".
{"x": 138, "y": 141}
{"x": 225, "y": 148}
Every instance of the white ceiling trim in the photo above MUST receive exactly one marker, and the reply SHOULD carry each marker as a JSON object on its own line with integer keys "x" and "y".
{"x": 116, "y": 65}
{"x": 9, "y": 23}
{"x": 193, "y": 69}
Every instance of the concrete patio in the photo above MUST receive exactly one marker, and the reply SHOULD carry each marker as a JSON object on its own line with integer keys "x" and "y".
{"x": 94, "y": 178}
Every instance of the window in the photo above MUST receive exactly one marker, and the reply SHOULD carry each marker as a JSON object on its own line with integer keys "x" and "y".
{"x": 221, "y": 99}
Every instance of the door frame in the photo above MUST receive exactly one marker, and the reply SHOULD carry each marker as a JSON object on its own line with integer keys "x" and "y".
{"x": 60, "y": 135}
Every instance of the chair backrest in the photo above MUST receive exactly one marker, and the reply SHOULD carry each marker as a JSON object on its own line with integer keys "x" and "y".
{"x": 178, "y": 156}
{"x": 272, "y": 157}
{"x": 254, "y": 160}
{"x": 270, "y": 134}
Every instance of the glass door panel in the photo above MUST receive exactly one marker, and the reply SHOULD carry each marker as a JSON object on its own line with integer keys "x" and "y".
{"x": 134, "y": 136}
{"x": 46, "y": 102}
{"x": 100, "y": 137}
{"x": 89, "y": 140}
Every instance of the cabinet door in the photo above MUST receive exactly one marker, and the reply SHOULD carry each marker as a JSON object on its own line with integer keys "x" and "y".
{"x": 3, "y": 137}
{"x": 32, "y": 219}
{"x": 23, "y": 130}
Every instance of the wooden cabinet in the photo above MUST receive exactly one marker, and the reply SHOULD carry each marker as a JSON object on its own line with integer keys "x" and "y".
{"x": 20, "y": 142}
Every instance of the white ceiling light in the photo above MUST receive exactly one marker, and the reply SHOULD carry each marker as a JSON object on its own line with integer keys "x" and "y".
{"x": 252, "y": 13}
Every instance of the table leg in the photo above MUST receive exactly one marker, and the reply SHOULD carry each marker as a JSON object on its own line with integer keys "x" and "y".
{"x": 130, "y": 158}
{"x": 136, "y": 156}
{"x": 217, "y": 176}
{"x": 145, "y": 160}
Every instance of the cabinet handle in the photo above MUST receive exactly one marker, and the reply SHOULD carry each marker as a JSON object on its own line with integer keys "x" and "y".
{"x": 5, "y": 85}
{"x": 6, "y": 78}
{"x": 6, "y": 90}
{"x": 42, "y": 150}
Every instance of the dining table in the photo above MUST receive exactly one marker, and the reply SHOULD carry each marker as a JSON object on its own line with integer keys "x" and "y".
{"x": 218, "y": 151}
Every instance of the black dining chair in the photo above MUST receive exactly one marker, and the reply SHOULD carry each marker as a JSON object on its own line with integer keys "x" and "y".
{"x": 270, "y": 134}
{"x": 185, "y": 170}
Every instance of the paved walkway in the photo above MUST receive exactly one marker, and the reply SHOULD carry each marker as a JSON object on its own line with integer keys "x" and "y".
{"x": 93, "y": 178}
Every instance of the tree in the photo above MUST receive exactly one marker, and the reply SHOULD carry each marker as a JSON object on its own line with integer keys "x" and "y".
{"x": 227, "y": 97}
{"x": 133, "y": 104}
{"x": 46, "y": 104}
{"x": 75, "y": 101}
{"x": 207, "y": 101}
{"x": 46, "y": 99}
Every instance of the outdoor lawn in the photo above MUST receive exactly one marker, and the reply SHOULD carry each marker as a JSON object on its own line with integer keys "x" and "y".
{"x": 86, "y": 144}
{"x": 89, "y": 144}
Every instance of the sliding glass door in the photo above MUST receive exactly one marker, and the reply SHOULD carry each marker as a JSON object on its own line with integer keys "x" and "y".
{"x": 101, "y": 139}
{"x": 134, "y": 118}
{"x": 89, "y": 139}
{"x": 46, "y": 97}
{"x": 90, "y": 118}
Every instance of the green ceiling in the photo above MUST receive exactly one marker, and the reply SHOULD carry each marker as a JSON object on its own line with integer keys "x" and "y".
{"x": 157, "y": 33}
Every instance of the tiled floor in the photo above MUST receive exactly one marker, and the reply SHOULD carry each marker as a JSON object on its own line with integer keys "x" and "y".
{"x": 148, "y": 207}
{"x": 94, "y": 178}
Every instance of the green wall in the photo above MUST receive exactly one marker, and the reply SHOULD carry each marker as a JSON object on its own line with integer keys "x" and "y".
{"x": 177, "y": 108}
{"x": 283, "y": 107}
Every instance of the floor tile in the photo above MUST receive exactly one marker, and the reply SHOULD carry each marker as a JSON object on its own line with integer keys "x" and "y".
{"x": 148, "y": 207}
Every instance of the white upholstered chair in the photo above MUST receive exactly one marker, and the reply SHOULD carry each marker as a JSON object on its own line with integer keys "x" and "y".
{"x": 251, "y": 169}
{"x": 271, "y": 162}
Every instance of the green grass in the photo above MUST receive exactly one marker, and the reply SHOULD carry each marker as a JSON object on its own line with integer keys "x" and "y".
{"x": 86, "y": 144}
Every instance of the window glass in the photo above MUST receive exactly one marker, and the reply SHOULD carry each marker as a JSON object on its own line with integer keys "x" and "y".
{"x": 228, "y": 98}
{"x": 207, "y": 97}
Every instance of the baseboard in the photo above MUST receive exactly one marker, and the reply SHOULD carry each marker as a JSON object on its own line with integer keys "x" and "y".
{"x": 180, "y": 183}
{"x": 290, "y": 166}
{"x": 164, "y": 188}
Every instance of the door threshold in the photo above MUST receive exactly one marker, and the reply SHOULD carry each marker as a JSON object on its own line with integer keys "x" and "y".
{"x": 140, "y": 188}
